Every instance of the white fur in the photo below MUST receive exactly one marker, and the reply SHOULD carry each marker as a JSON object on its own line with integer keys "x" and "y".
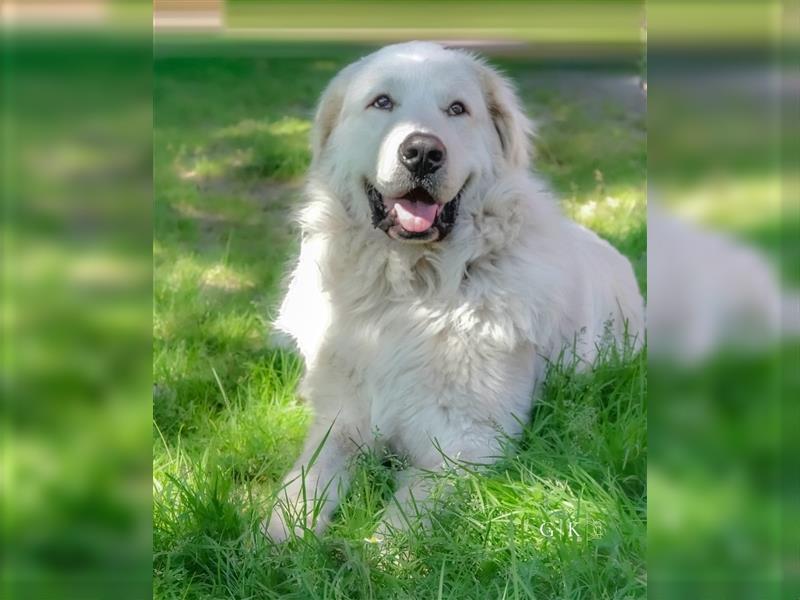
{"x": 429, "y": 347}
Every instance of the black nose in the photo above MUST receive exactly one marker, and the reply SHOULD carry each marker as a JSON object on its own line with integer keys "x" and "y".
{"x": 422, "y": 153}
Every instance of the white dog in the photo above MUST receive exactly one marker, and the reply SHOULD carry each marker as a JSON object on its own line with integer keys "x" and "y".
{"x": 436, "y": 276}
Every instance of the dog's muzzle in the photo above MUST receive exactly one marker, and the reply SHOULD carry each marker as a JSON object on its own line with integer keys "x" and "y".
{"x": 414, "y": 217}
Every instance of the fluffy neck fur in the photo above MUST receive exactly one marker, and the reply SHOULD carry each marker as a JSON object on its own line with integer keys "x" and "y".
{"x": 392, "y": 271}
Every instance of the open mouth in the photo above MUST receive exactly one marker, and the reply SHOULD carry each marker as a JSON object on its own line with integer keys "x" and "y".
{"x": 415, "y": 216}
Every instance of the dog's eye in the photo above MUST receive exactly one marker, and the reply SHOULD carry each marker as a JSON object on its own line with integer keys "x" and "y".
{"x": 455, "y": 109}
{"x": 383, "y": 102}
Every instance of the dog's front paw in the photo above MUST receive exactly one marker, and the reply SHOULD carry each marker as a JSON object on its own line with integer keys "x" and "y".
{"x": 294, "y": 522}
{"x": 397, "y": 521}
{"x": 277, "y": 528}
{"x": 274, "y": 528}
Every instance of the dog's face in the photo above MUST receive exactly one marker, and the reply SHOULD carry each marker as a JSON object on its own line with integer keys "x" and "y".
{"x": 405, "y": 133}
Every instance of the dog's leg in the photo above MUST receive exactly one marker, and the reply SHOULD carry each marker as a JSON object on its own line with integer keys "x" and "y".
{"x": 312, "y": 489}
{"x": 412, "y": 501}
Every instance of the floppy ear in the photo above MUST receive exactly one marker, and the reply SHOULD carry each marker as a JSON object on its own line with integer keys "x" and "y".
{"x": 329, "y": 110}
{"x": 513, "y": 127}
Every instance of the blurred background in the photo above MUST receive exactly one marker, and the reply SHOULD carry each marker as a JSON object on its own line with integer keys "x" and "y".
{"x": 723, "y": 241}
{"x": 81, "y": 83}
{"x": 76, "y": 190}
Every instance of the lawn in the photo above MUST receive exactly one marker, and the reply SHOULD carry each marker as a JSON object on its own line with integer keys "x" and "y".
{"x": 563, "y": 515}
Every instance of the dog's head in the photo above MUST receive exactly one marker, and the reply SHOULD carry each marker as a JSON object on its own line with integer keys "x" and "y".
{"x": 404, "y": 133}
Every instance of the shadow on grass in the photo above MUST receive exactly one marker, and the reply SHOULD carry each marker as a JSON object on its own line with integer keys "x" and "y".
{"x": 251, "y": 149}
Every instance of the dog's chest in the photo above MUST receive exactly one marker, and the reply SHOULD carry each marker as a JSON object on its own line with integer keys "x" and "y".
{"x": 431, "y": 366}
{"x": 430, "y": 357}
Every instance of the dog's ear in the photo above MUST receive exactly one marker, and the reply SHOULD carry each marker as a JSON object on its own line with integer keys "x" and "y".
{"x": 329, "y": 110}
{"x": 513, "y": 127}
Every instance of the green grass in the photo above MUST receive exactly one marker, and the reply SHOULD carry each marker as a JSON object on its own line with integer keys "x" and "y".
{"x": 230, "y": 148}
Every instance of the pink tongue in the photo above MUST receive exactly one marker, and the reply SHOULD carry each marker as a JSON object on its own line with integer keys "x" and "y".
{"x": 415, "y": 216}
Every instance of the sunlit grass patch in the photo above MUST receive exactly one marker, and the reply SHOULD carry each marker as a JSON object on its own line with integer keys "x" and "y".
{"x": 609, "y": 215}
{"x": 222, "y": 277}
